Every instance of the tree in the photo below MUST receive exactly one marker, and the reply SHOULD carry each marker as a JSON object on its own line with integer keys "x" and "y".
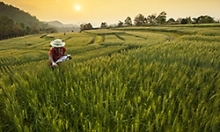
{"x": 120, "y": 24}
{"x": 189, "y": 20}
{"x": 205, "y": 19}
{"x": 34, "y": 29}
{"x": 6, "y": 27}
{"x": 183, "y": 21}
{"x": 171, "y": 21}
{"x": 128, "y": 21}
{"x": 17, "y": 30}
{"x": 104, "y": 25}
{"x": 186, "y": 20}
{"x": 161, "y": 18}
{"x": 87, "y": 26}
{"x": 152, "y": 19}
{"x": 140, "y": 20}
{"x": 195, "y": 21}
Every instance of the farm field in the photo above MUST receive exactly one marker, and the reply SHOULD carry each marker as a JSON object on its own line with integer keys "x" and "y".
{"x": 130, "y": 79}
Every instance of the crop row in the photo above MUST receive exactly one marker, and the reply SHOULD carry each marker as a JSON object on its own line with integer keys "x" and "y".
{"x": 162, "y": 86}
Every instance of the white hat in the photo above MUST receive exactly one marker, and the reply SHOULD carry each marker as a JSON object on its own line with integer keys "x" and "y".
{"x": 57, "y": 43}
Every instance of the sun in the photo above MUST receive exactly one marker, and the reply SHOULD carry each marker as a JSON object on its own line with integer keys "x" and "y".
{"x": 77, "y": 7}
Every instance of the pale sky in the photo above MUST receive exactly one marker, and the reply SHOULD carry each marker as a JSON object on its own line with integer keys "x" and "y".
{"x": 113, "y": 11}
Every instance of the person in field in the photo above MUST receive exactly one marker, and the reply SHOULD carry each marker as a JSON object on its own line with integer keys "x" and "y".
{"x": 57, "y": 53}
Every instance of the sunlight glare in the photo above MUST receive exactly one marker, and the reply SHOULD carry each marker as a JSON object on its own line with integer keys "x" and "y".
{"x": 77, "y": 7}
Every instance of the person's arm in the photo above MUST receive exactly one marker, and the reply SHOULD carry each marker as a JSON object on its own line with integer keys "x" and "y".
{"x": 51, "y": 58}
{"x": 52, "y": 62}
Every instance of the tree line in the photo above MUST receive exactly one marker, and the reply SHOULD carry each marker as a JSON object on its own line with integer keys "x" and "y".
{"x": 9, "y": 28}
{"x": 15, "y": 22}
{"x": 153, "y": 19}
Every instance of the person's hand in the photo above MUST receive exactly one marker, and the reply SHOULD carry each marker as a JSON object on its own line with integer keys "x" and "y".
{"x": 54, "y": 64}
{"x": 69, "y": 57}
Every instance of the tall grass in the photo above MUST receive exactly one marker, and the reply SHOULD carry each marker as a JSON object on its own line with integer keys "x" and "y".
{"x": 162, "y": 86}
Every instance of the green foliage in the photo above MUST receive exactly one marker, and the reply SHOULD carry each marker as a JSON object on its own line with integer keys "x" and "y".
{"x": 131, "y": 80}
{"x": 15, "y": 22}
{"x": 17, "y": 15}
{"x": 139, "y": 20}
{"x": 205, "y": 19}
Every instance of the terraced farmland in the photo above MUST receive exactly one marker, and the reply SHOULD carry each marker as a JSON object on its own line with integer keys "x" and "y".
{"x": 127, "y": 79}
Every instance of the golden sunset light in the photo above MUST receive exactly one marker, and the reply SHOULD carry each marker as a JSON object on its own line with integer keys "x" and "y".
{"x": 109, "y": 66}
{"x": 112, "y": 11}
{"x": 77, "y": 7}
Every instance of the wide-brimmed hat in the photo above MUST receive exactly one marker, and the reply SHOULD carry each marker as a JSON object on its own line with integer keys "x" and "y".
{"x": 57, "y": 43}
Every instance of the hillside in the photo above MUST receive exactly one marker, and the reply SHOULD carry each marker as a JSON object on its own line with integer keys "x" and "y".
{"x": 18, "y": 15}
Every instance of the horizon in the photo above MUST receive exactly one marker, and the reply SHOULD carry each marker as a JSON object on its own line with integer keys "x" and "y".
{"x": 77, "y": 12}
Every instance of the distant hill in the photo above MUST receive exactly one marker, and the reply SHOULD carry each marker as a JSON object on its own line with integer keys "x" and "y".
{"x": 63, "y": 27}
{"x": 59, "y": 24}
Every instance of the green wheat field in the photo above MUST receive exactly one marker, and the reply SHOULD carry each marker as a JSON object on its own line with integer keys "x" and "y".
{"x": 131, "y": 79}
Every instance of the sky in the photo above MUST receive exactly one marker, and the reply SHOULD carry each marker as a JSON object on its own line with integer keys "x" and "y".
{"x": 112, "y": 11}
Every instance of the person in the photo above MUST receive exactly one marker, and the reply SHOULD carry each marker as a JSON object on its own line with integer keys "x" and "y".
{"x": 57, "y": 53}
